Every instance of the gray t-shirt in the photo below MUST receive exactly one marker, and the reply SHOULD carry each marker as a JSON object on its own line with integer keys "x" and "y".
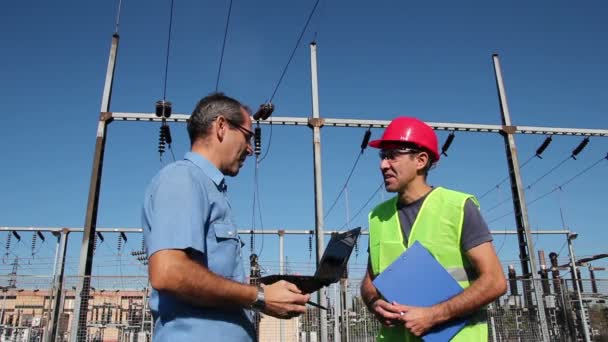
{"x": 474, "y": 229}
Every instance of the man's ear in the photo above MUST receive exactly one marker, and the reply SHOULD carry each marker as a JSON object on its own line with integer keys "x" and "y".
{"x": 221, "y": 125}
{"x": 422, "y": 159}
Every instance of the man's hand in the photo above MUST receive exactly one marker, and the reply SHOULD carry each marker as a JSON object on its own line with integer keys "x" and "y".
{"x": 417, "y": 320}
{"x": 284, "y": 300}
{"x": 385, "y": 312}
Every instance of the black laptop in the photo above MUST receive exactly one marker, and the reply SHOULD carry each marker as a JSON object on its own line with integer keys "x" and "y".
{"x": 332, "y": 265}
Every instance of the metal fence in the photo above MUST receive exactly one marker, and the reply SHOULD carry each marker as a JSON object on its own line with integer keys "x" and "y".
{"x": 118, "y": 311}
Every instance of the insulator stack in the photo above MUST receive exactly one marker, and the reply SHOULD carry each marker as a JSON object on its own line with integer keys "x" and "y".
{"x": 34, "y": 237}
{"x": 119, "y": 244}
{"x": 8, "y": 247}
{"x": 165, "y": 131}
{"x": 365, "y": 141}
{"x": 580, "y": 148}
{"x": 251, "y": 242}
{"x": 543, "y": 146}
{"x": 447, "y": 143}
{"x": 161, "y": 142}
{"x": 257, "y": 141}
{"x": 310, "y": 245}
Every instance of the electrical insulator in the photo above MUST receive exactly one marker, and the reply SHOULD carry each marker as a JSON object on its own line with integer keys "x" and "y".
{"x": 356, "y": 249}
{"x": 34, "y": 244}
{"x": 163, "y": 109}
{"x": 310, "y": 245}
{"x": 161, "y": 142}
{"x": 543, "y": 146}
{"x": 264, "y": 111}
{"x": 95, "y": 243}
{"x": 580, "y": 148}
{"x": 257, "y": 140}
{"x": 447, "y": 143}
{"x": 119, "y": 244}
{"x": 166, "y": 132}
{"x": 8, "y": 242}
{"x": 365, "y": 141}
{"x": 251, "y": 242}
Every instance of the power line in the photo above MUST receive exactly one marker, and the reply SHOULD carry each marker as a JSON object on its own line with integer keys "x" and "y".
{"x": 548, "y": 173}
{"x": 352, "y": 170}
{"x": 294, "y": 50}
{"x": 364, "y": 205}
{"x": 538, "y": 153}
{"x": 505, "y": 179}
{"x": 364, "y": 144}
{"x": 219, "y": 70}
{"x": 559, "y": 187}
{"x": 168, "y": 49}
{"x": 118, "y": 17}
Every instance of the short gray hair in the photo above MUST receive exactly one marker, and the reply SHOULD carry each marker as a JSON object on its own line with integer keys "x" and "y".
{"x": 208, "y": 109}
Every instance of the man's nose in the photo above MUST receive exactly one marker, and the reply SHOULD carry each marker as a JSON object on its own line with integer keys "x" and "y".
{"x": 384, "y": 165}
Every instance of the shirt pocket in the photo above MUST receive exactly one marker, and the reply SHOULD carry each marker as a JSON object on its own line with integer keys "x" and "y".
{"x": 226, "y": 250}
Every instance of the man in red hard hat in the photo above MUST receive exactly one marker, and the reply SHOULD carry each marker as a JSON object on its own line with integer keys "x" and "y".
{"x": 447, "y": 222}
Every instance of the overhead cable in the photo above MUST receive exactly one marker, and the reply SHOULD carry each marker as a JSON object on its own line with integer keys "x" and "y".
{"x": 538, "y": 154}
{"x": 168, "y": 50}
{"x": 118, "y": 17}
{"x": 364, "y": 205}
{"x": 294, "y": 50}
{"x": 573, "y": 155}
{"x": 559, "y": 187}
{"x": 364, "y": 143}
{"x": 219, "y": 70}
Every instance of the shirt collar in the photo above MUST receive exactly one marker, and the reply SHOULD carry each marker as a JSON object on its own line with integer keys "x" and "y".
{"x": 208, "y": 168}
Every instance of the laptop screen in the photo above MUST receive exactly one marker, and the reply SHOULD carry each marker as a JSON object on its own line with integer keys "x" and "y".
{"x": 336, "y": 255}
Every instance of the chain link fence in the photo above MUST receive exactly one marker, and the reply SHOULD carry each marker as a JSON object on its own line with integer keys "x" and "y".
{"x": 118, "y": 311}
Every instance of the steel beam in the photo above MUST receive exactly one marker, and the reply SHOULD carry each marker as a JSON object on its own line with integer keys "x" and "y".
{"x": 356, "y": 123}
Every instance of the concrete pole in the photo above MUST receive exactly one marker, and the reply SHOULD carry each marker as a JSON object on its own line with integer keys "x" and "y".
{"x": 281, "y": 271}
{"x": 58, "y": 287}
{"x": 577, "y": 288}
{"x": 526, "y": 244}
{"x": 81, "y": 302}
{"x": 316, "y": 123}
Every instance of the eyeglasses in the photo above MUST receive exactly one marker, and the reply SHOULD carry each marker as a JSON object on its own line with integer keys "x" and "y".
{"x": 246, "y": 132}
{"x": 393, "y": 153}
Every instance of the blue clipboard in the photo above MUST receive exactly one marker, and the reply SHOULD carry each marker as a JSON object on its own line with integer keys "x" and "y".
{"x": 417, "y": 279}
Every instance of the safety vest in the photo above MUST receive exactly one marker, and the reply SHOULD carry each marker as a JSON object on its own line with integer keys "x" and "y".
{"x": 438, "y": 227}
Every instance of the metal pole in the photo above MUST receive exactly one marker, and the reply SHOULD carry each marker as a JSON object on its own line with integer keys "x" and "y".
{"x": 337, "y": 303}
{"x": 81, "y": 302}
{"x": 316, "y": 122}
{"x": 58, "y": 287}
{"x": 281, "y": 271}
{"x": 578, "y": 290}
{"x": 526, "y": 244}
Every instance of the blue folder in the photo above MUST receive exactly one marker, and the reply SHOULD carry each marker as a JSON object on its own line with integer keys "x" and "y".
{"x": 417, "y": 279}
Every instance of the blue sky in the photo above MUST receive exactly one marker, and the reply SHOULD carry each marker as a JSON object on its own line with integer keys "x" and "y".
{"x": 376, "y": 61}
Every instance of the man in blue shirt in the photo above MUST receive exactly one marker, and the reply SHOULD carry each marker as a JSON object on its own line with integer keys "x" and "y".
{"x": 195, "y": 264}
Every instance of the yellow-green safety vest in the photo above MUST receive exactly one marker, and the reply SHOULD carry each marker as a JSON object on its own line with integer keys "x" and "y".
{"x": 438, "y": 227}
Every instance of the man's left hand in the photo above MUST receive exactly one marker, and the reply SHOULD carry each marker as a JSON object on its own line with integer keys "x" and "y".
{"x": 418, "y": 320}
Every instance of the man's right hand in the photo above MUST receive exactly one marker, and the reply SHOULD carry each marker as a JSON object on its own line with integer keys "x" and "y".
{"x": 385, "y": 312}
{"x": 284, "y": 300}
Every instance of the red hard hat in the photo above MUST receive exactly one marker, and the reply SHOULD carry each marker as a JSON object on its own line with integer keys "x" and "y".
{"x": 409, "y": 130}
